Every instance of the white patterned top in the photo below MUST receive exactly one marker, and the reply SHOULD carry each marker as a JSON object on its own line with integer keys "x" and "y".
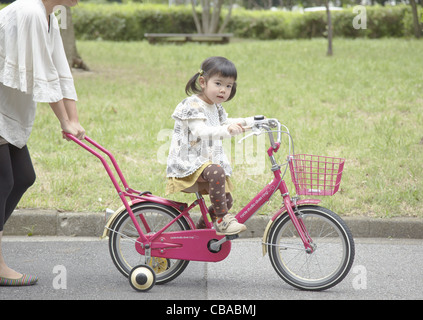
{"x": 197, "y": 137}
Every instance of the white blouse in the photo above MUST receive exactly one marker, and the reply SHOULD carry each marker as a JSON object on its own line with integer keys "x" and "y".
{"x": 33, "y": 67}
{"x": 197, "y": 137}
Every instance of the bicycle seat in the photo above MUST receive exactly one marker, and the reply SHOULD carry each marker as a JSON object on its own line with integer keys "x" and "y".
{"x": 201, "y": 187}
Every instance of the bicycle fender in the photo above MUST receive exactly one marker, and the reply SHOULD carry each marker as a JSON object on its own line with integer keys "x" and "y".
{"x": 281, "y": 211}
{"x": 112, "y": 218}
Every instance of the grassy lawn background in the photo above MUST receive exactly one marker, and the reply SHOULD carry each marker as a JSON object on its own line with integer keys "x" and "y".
{"x": 365, "y": 104}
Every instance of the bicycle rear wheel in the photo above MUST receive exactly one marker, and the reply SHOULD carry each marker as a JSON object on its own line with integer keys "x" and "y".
{"x": 331, "y": 259}
{"x": 122, "y": 240}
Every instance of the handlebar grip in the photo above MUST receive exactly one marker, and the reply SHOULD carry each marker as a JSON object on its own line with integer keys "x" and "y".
{"x": 69, "y": 135}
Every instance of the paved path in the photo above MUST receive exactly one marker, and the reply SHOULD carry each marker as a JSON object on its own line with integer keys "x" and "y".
{"x": 383, "y": 269}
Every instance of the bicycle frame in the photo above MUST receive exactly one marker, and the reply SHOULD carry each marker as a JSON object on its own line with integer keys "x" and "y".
{"x": 264, "y": 195}
{"x": 180, "y": 244}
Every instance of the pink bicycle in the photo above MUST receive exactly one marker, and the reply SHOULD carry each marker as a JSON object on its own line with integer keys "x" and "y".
{"x": 152, "y": 239}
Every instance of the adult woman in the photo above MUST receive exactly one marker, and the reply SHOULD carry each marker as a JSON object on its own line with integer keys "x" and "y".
{"x": 33, "y": 68}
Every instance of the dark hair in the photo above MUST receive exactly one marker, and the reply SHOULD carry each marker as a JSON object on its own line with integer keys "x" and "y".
{"x": 210, "y": 67}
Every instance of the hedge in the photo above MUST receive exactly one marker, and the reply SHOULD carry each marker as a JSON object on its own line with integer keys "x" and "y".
{"x": 381, "y": 22}
{"x": 130, "y": 21}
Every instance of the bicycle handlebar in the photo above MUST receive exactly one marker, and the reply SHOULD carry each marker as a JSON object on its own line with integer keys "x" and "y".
{"x": 260, "y": 122}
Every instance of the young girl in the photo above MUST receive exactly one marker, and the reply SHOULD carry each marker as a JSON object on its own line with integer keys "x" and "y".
{"x": 197, "y": 162}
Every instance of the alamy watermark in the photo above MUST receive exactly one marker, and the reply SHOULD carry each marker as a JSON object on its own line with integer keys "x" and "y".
{"x": 360, "y": 20}
{"x": 360, "y": 280}
{"x": 60, "y": 282}
{"x": 251, "y": 153}
{"x": 60, "y": 13}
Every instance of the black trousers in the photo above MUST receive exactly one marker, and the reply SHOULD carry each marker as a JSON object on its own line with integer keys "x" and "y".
{"x": 16, "y": 176}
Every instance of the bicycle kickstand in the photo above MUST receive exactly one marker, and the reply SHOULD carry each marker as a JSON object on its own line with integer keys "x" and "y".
{"x": 147, "y": 254}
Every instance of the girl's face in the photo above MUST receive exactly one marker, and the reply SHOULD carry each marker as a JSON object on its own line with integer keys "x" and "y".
{"x": 217, "y": 89}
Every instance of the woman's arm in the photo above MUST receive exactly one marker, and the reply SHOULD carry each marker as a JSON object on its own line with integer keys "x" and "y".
{"x": 65, "y": 110}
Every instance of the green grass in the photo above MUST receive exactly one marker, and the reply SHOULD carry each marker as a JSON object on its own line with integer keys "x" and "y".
{"x": 365, "y": 104}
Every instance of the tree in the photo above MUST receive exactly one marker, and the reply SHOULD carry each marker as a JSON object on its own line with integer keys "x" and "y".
{"x": 330, "y": 33}
{"x": 68, "y": 36}
{"x": 416, "y": 24}
{"x": 210, "y": 16}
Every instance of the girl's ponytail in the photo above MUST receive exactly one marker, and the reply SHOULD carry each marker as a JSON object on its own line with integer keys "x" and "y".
{"x": 192, "y": 85}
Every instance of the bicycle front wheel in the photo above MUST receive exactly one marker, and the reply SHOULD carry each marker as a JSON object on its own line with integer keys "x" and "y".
{"x": 122, "y": 240}
{"x": 333, "y": 253}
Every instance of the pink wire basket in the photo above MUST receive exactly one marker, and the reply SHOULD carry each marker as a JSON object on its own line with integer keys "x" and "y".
{"x": 316, "y": 175}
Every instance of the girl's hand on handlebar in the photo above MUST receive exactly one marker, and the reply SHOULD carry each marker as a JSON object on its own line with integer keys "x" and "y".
{"x": 235, "y": 129}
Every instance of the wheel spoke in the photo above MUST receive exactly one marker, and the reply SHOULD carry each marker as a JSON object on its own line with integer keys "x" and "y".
{"x": 124, "y": 235}
{"x": 330, "y": 260}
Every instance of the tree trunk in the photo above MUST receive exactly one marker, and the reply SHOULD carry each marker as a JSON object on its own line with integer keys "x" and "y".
{"x": 416, "y": 24}
{"x": 69, "y": 42}
{"x": 205, "y": 4}
{"x": 196, "y": 20}
{"x": 330, "y": 50}
{"x": 227, "y": 18}
{"x": 210, "y": 16}
{"x": 217, "y": 9}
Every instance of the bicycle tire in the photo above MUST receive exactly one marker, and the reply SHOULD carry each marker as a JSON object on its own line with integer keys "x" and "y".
{"x": 329, "y": 263}
{"x": 123, "y": 252}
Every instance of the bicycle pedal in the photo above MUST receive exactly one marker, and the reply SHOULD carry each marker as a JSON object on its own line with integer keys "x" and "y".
{"x": 232, "y": 237}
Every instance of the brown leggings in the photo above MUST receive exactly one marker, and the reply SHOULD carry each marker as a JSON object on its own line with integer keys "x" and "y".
{"x": 220, "y": 200}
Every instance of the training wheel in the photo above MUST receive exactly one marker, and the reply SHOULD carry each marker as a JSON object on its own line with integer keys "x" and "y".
{"x": 142, "y": 278}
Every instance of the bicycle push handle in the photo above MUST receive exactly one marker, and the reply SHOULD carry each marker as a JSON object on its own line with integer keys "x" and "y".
{"x": 94, "y": 151}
